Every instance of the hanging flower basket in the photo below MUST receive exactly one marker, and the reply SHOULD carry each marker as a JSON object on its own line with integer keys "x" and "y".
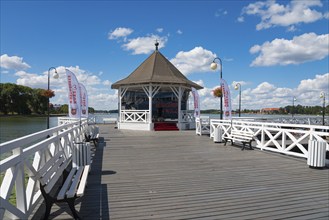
{"x": 217, "y": 92}
{"x": 48, "y": 93}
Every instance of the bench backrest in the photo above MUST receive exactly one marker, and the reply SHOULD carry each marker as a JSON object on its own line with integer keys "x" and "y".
{"x": 248, "y": 134}
{"x": 53, "y": 169}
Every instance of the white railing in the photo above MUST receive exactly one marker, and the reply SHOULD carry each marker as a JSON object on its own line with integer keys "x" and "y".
{"x": 67, "y": 120}
{"x": 290, "y": 139}
{"x": 202, "y": 125}
{"x": 135, "y": 116}
{"x": 187, "y": 116}
{"x": 22, "y": 158}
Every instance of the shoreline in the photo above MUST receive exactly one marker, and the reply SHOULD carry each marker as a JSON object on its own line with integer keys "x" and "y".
{"x": 33, "y": 116}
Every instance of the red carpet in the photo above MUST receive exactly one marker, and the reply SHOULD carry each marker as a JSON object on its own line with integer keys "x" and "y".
{"x": 165, "y": 126}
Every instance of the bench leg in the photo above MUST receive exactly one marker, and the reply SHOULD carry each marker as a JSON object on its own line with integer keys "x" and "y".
{"x": 251, "y": 148}
{"x": 49, "y": 204}
{"x": 49, "y": 201}
{"x": 244, "y": 145}
{"x": 70, "y": 202}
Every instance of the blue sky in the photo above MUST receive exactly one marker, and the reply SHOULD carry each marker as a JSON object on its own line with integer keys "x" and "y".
{"x": 276, "y": 50}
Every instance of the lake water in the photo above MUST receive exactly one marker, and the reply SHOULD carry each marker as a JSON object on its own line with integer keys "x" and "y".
{"x": 13, "y": 127}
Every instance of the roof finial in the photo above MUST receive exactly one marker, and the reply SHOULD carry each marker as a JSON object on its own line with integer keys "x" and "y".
{"x": 156, "y": 45}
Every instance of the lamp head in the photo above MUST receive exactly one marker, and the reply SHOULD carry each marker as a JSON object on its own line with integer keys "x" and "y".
{"x": 213, "y": 66}
{"x": 237, "y": 85}
{"x": 55, "y": 75}
{"x": 322, "y": 95}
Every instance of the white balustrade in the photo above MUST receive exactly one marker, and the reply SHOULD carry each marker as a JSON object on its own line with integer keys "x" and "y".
{"x": 187, "y": 116}
{"x": 22, "y": 158}
{"x": 135, "y": 116}
{"x": 202, "y": 125}
{"x": 289, "y": 139}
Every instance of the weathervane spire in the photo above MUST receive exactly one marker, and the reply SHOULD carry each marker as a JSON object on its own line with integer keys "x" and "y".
{"x": 156, "y": 45}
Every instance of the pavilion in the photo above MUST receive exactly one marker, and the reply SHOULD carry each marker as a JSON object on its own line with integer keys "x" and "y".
{"x": 155, "y": 97}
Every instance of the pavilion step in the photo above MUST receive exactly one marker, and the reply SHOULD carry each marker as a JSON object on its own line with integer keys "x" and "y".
{"x": 165, "y": 127}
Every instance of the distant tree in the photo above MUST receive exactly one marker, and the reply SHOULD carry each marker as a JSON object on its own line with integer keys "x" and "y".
{"x": 64, "y": 109}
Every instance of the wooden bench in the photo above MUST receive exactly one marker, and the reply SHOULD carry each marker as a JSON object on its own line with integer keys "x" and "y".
{"x": 242, "y": 136}
{"x": 92, "y": 134}
{"x": 110, "y": 120}
{"x": 57, "y": 184}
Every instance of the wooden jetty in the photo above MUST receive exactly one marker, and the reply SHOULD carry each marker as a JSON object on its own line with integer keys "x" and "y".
{"x": 142, "y": 175}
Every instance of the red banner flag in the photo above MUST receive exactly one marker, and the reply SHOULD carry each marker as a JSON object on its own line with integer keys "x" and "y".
{"x": 227, "y": 109}
{"x": 196, "y": 103}
{"x": 84, "y": 101}
{"x": 74, "y": 95}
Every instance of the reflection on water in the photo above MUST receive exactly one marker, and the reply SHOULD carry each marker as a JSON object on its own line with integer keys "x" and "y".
{"x": 19, "y": 126}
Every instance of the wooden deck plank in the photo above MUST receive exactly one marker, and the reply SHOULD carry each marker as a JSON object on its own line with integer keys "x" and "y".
{"x": 179, "y": 175}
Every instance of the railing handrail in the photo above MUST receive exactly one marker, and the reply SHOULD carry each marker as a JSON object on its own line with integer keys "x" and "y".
{"x": 135, "y": 111}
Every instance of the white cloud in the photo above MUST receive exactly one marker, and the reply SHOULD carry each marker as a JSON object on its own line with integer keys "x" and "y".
{"x": 13, "y": 62}
{"x": 300, "y": 49}
{"x": 240, "y": 19}
{"x": 274, "y": 14}
{"x": 32, "y": 79}
{"x": 107, "y": 83}
{"x": 263, "y": 88}
{"x": 220, "y": 12}
{"x": 99, "y": 93}
{"x": 120, "y": 32}
{"x": 266, "y": 94}
{"x": 179, "y": 31}
{"x": 144, "y": 45}
{"x": 194, "y": 61}
{"x": 159, "y": 30}
{"x": 319, "y": 83}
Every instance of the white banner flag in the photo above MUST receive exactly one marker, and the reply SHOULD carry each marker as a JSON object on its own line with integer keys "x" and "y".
{"x": 74, "y": 95}
{"x": 84, "y": 101}
{"x": 196, "y": 102}
{"x": 227, "y": 109}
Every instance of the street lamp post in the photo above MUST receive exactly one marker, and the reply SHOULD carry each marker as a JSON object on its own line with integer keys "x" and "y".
{"x": 213, "y": 66}
{"x": 323, "y": 96}
{"x": 293, "y": 106}
{"x": 236, "y": 87}
{"x": 55, "y": 77}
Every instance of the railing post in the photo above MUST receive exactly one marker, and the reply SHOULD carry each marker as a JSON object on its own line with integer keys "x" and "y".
{"x": 311, "y": 134}
{"x": 284, "y": 140}
{"x": 262, "y": 139}
{"x": 20, "y": 184}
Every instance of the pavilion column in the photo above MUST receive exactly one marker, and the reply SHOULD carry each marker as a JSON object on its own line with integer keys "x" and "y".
{"x": 180, "y": 107}
{"x": 121, "y": 94}
{"x": 150, "y": 95}
{"x": 120, "y": 103}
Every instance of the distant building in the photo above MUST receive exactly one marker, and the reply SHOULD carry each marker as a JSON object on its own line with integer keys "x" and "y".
{"x": 56, "y": 106}
{"x": 270, "y": 110}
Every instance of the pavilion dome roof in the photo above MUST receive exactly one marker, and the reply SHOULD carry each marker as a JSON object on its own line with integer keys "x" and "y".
{"x": 156, "y": 69}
